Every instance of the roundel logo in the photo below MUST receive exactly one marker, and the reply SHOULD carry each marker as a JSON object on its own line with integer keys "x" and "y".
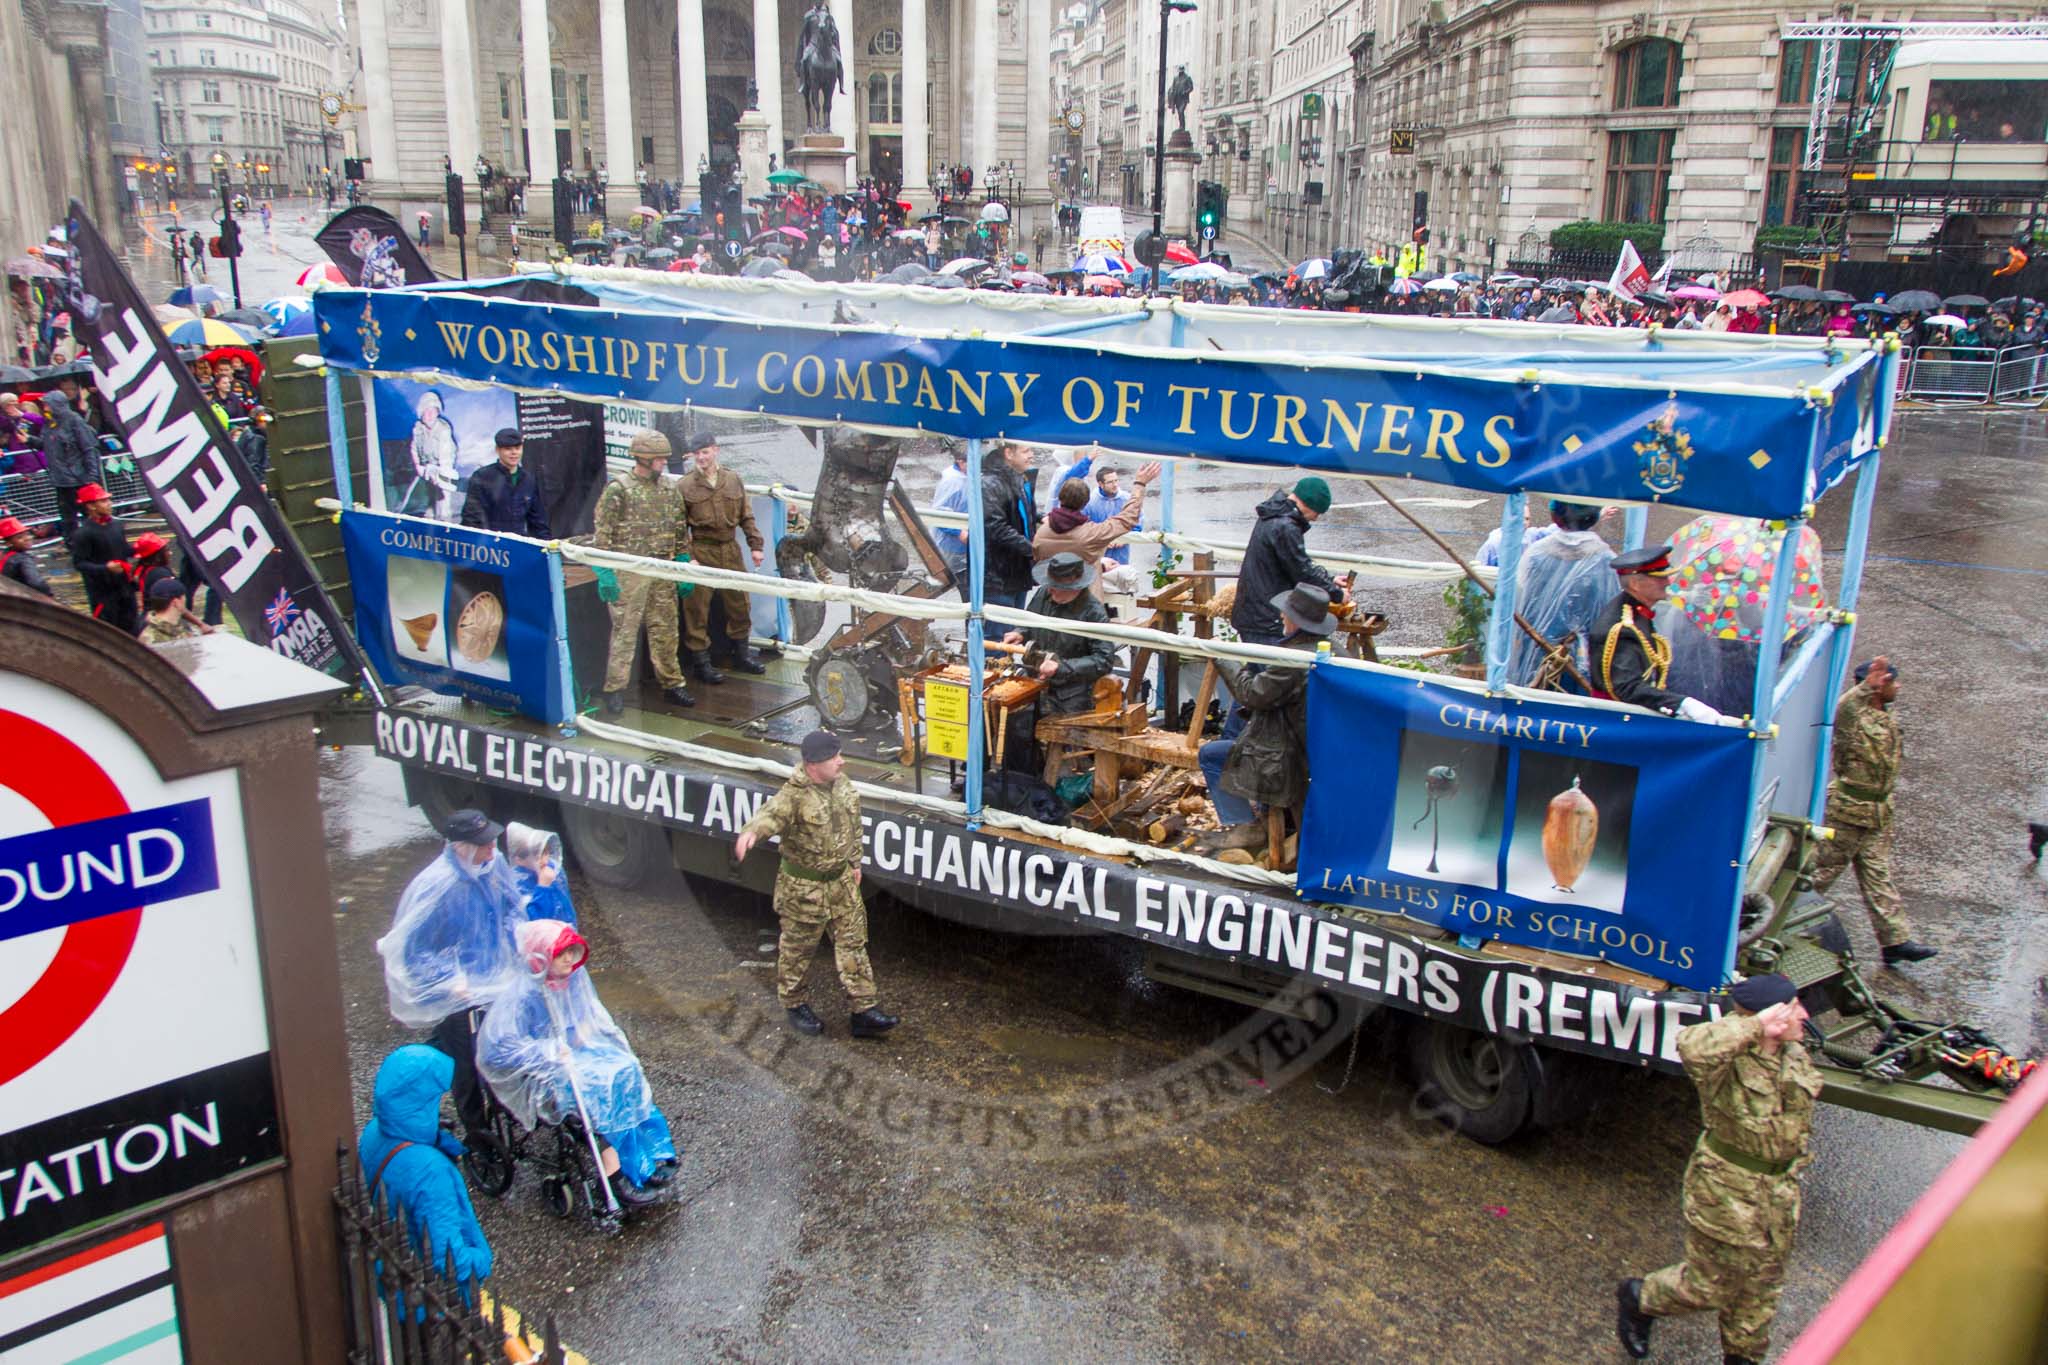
{"x": 63, "y": 783}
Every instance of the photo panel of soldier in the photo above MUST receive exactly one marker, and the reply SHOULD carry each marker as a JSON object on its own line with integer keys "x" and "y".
{"x": 433, "y": 437}
{"x": 476, "y": 631}
{"x": 1569, "y": 845}
{"x": 1450, "y": 801}
{"x": 416, "y": 598}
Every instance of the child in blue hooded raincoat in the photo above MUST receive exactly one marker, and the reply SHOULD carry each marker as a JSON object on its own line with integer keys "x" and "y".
{"x": 409, "y": 1159}
{"x": 549, "y": 1041}
{"x": 536, "y": 857}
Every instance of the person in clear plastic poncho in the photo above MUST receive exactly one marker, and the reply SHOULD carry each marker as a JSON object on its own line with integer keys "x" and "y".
{"x": 1564, "y": 584}
{"x": 536, "y": 856}
{"x": 450, "y": 950}
{"x": 549, "y": 1042}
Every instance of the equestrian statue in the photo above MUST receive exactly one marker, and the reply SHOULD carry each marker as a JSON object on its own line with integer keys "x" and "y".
{"x": 818, "y": 67}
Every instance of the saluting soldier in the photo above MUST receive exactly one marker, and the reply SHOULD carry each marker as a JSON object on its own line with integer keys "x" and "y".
{"x": 1867, "y": 753}
{"x": 1631, "y": 661}
{"x": 717, "y": 505}
{"x": 1741, "y": 1195}
{"x": 641, "y": 513}
{"x": 817, "y": 885}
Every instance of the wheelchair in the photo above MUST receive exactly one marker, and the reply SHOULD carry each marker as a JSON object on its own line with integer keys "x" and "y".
{"x": 559, "y": 1153}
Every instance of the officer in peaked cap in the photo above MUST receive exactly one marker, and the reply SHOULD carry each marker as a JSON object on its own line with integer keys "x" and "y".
{"x": 1631, "y": 661}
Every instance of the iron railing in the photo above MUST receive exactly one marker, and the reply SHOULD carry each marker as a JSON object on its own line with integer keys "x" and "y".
{"x": 403, "y": 1309}
{"x": 1976, "y": 376}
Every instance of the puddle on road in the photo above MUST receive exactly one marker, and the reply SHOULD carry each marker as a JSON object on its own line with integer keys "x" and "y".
{"x": 1037, "y": 1045}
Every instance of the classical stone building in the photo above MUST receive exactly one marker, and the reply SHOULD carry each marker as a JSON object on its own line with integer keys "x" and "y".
{"x": 609, "y": 88}
{"x": 1514, "y": 118}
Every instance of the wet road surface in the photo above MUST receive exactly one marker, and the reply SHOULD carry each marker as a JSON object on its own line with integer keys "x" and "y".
{"x": 1034, "y": 1167}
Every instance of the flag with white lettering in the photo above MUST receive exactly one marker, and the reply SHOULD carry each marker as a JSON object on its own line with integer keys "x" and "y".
{"x": 225, "y": 522}
{"x": 1631, "y": 277}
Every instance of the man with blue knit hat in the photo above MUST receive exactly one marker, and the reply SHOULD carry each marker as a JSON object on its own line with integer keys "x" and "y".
{"x": 1741, "y": 1194}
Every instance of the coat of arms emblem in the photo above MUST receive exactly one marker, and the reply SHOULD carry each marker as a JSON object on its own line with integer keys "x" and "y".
{"x": 1662, "y": 453}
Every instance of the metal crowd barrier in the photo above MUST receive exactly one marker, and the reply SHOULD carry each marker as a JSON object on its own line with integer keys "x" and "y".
{"x": 32, "y": 497}
{"x": 1976, "y": 376}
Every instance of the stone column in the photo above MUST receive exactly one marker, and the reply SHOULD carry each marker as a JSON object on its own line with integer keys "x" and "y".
{"x": 916, "y": 113}
{"x": 378, "y": 112}
{"x": 768, "y": 73}
{"x": 458, "y": 85}
{"x": 622, "y": 190}
{"x": 842, "y": 104}
{"x": 692, "y": 89}
{"x": 1037, "y": 112}
{"x": 983, "y": 78}
{"x": 540, "y": 115}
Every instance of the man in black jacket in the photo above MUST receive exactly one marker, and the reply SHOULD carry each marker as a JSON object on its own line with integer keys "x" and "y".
{"x": 73, "y": 455}
{"x": 1009, "y": 518}
{"x": 103, "y": 556}
{"x": 1277, "y": 558}
{"x": 503, "y": 496}
{"x": 1268, "y": 762}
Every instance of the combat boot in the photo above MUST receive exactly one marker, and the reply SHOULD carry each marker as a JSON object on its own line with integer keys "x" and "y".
{"x": 615, "y": 703}
{"x": 1909, "y": 951}
{"x": 701, "y": 669}
{"x": 803, "y": 1021}
{"x": 1732, "y": 1359}
{"x": 872, "y": 1023}
{"x": 1631, "y": 1323}
{"x": 743, "y": 661}
{"x": 679, "y": 694}
{"x": 2037, "y": 839}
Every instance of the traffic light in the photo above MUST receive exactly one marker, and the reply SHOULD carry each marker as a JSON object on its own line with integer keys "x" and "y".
{"x": 458, "y": 223}
{"x": 1210, "y": 203}
{"x": 230, "y": 236}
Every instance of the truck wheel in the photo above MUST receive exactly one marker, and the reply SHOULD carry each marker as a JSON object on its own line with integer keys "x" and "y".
{"x": 439, "y": 796}
{"x": 1481, "y": 1085}
{"x": 611, "y": 849}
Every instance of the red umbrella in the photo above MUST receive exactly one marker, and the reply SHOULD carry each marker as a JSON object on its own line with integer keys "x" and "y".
{"x": 1179, "y": 254}
{"x": 903, "y": 204}
{"x": 1745, "y": 298}
{"x": 247, "y": 357}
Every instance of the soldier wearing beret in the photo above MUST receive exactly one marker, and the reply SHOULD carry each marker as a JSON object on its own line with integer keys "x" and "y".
{"x": 1631, "y": 661}
{"x": 1741, "y": 1195}
{"x": 716, "y": 505}
{"x": 1867, "y": 754}
{"x": 505, "y": 496}
{"x": 817, "y": 886}
{"x": 641, "y": 513}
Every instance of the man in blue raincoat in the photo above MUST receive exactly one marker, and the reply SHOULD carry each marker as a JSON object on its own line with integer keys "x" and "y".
{"x": 411, "y": 1162}
{"x": 451, "y": 950}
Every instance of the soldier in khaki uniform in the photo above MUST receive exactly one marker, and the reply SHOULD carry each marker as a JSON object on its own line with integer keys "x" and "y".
{"x": 641, "y": 513}
{"x": 717, "y": 505}
{"x": 1868, "y": 749}
{"x": 817, "y": 887}
{"x": 1741, "y": 1195}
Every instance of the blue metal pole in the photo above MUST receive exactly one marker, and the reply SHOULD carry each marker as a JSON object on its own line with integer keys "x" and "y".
{"x": 977, "y": 656}
{"x": 560, "y": 603}
{"x": 1841, "y": 646}
{"x": 1771, "y": 649}
{"x": 778, "y": 522}
{"x": 337, "y": 439}
{"x": 1500, "y": 634}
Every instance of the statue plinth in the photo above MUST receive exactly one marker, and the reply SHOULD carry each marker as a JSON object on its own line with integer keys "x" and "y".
{"x": 753, "y": 140}
{"x": 1179, "y": 141}
{"x": 1179, "y": 217}
{"x": 825, "y": 158}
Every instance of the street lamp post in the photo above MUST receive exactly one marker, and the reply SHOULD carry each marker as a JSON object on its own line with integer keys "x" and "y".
{"x": 230, "y": 232}
{"x": 1167, "y": 9}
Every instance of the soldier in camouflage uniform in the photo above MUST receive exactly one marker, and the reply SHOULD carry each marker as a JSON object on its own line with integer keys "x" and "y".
{"x": 641, "y": 513}
{"x": 817, "y": 886}
{"x": 717, "y": 504}
{"x": 1741, "y": 1195}
{"x": 1868, "y": 748}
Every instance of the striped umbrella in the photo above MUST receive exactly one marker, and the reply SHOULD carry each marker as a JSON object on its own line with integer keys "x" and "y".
{"x": 283, "y": 310}
{"x": 324, "y": 273}
{"x": 210, "y": 332}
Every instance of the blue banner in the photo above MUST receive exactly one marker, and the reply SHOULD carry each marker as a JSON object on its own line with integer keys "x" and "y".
{"x": 458, "y": 610}
{"x": 79, "y": 872}
{"x": 1744, "y": 453}
{"x": 1577, "y": 829}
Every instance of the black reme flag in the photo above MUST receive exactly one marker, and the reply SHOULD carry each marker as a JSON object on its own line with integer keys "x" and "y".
{"x": 369, "y": 247}
{"x": 224, "y": 520}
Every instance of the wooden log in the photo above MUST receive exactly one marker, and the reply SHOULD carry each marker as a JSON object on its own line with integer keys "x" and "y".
{"x": 1166, "y": 827}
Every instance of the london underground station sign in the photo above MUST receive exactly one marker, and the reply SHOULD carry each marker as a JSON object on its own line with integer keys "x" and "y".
{"x": 136, "y": 1057}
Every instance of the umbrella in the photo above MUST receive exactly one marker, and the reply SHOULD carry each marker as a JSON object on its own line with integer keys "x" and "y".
{"x": 14, "y": 374}
{"x": 1405, "y": 286}
{"x": 648, "y": 211}
{"x": 1652, "y": 296}
{"x": 1440, "y": 286}
{"x": 1882, "y": 309}
{"x": 794, "y": 234}
{"x": 1966, "y": 301}
{"x": 792, "y": 275}
{"x": 2016, "y": 301}
{"x": 907, "y": 235}
{"x": 168, "y": 316}
{"x": 1836, "y": 296}
{"x": 943, "y": 282}
{"x": 964, "y": 265}
{"x": 209, "y": 332}
{"x": 1916, "y": 301}
{"x": 1028, "y": 277}
{"x": 910, "y": 272}
{"x": 771, "y": 235}
{"x": 247, "y": 317}
{"x": 241, "y": 353}
{"x": 299, "y": 325}
{"x": 1696, "y": 291}
{"x": 194, "y": 296}
{"x": 1560, "y": 313}
{"x": 1466, "y": 277}
{"x": 1314, "y": 268}
{"x": 1104, "y": 284}
{"x": 932, "y": 217}
{"x": 660, "y": 256}
{"x": 29, "y": 268}
{"x": 994, "y": 213}
{"x": 590, "y": 244}
{"x": 1177, "y": 253}
{"x": 903, "y": 204}
{"x": 1101, "y": 263}
{"x": 679, "y": 219}
{"x": 950, "y": 221}
{"x": 1746, "y": 298}
{"x": 1198, "y": 273}
{"x": 287, "y": 307}
{"x": 1946, "y": 320}
{"x": 1721, "y": 576}
{"x": 1799, "y": 293}
{"x": 786, "y": 178}
{"x": 324, "y": 273}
